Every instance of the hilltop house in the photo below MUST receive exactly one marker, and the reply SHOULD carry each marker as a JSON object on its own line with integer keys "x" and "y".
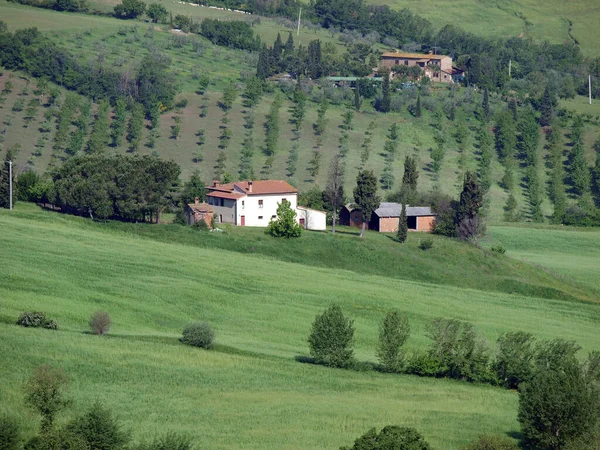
{"x": 436, "y": 67}
{"x": 385, "y": 218}
{"x": 254, "y": 203}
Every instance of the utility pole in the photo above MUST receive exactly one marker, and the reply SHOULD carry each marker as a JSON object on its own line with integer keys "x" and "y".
{"x": 10, "y": 184}
{"x": 299, "y": 16}
{"x": 509, "y": 67}
{"x": 590, "y": 88}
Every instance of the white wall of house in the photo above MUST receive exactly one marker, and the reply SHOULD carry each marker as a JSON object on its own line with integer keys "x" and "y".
{"x": 257, "y": 215}
{"x": 313, "y": 219}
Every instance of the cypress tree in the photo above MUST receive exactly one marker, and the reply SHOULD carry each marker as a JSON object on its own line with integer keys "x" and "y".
{"x": 288, "y": 48}
{"x": 485, "y": 106}
{"x": 485, "y": 157}
{"x": 262, "y": 68}
{"x": 118, "y": 124}
{"x": 11, "y": 154}
{"x": 546, "y": 108}
{"x": 365, "y": 196}
{"x": 418, "y": 112}
{"x": 471, "y": 199}
{"x": 402, "y": 225}
{"x": 409, "y": 180}
{"x": 386, "y": 99}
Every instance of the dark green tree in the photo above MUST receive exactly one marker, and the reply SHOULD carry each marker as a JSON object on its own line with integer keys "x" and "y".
{"x": 100, "y": 133}
{"x": 11, "y": 154}
{"x": 99, "y": 429}
{"x": 391, "y": 437}
{"x": 386, "y": 96}
{"x": 418, "y": 112}
{"x": 409, "y": 180}
{"x": 515, "y": 358}
{"x": 136, "y": 124}
{"x": 119, "y": 122}
{"x": 157, "y": 13}
{"x": 546, "y": 108}
{"x": 485, "y": 105}
{"x": 253, "y": 91}
{"x": 334, "y": 192}
{"x": 365, "y": 196}
{"x": 470, "y": 203}
{"x": 10, "y": 434}
{"x": 402, "y": 225}
{"x": 485, "y": 157}
{"x": 331, "y": 338}
{"x": 130, "y": 9}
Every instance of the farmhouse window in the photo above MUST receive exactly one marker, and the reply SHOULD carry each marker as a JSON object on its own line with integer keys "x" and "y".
{"x": 260, "y": 203}
{"x": 397, "y": 61}
{"x": 221, "y": 202}
{"x": 406, "y": 62}
{"x": 283, "y": 200}
{"x": 273, "y": 217}
{"x": 260, "y": 217}
{"x": 243, "y": 204}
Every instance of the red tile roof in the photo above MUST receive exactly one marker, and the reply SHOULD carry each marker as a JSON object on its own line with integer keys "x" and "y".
{"x": 259, "y": 187}
{"x": 413, "y": 56}
{"x": 201, "y": 207}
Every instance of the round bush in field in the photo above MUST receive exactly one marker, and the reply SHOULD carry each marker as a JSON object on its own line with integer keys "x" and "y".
{"x": 100, "y": 322}
{"x": 198, "y": 334}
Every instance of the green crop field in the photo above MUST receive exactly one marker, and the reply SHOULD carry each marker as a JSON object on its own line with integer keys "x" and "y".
{"x": 249, "y": 391}
{"x": 548, "y": 248}
{"x": 551, "y": 20}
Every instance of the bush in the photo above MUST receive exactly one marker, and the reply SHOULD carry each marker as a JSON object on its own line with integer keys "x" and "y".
{"x": 390, "y": 437}
{"x": 498, "y": 249}
{"x": 45, "y": 393}
{"x": 99, "y": 429}
{"x": 35, "y": 320}
{"x": 393, "y": 333}
{"x": 60, "y": 439}
{"x": 514, "y": 361}
{"x": 10, "y": 434}
{"x": 331, "y": 338}
{"x": 198, "y": 334}
{"x": 201, "y": 225}
{"x": 170, "y": 441}
{"x": 424, "y": 365}
{"x": 100, "y": 322}
{"x": 285, "y": 225}
{"x": 493, "y": 442}
{"x": 426, "y": 244}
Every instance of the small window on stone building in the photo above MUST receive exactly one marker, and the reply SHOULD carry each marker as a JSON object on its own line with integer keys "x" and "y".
{"x": 406, "y": 62}
{"x": 243, "y": 204}
{"x": 397, "y": 61}
{"x": 260, "y": 203}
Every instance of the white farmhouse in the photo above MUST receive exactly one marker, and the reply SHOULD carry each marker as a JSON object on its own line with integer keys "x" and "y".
{"x": 254, "y": 203}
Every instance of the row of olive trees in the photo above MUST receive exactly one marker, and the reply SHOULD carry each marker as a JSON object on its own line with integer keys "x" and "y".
{"x": 559, "y": 402}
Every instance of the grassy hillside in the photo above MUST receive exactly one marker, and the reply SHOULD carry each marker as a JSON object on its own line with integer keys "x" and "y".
{"x": 548, "y": 248}
{"x": 249, "y": 391}
{"x": 552, "y": 20}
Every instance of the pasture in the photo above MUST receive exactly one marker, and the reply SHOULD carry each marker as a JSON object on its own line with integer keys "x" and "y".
{"x": 248, "y": 392}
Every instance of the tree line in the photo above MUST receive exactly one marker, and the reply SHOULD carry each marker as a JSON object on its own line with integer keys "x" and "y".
{"x": 29, "y": 51}
{"x": 559, "y": 397}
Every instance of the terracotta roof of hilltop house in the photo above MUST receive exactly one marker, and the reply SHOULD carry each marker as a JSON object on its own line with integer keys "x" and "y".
{"x": 413, "y": 55}
{"x": 259, "y": 187}
{"x": 201, "y": 207}
{"x": 228, "y": 195}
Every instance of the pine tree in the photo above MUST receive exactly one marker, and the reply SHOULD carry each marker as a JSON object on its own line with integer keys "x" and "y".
{"x": 418, "y": 112}
{"x": 288, "y": 48}
{"x": 505, "y": 135}
{"x": 298, "y": 111}
{"x": 262, "y": 69}
{"x": 402, "y": 225}
{"x": 321, "y": 122}
{"x": 510, "y": 209}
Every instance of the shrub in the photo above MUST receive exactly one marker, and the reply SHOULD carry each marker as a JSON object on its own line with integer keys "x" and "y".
{"x": 99, "y": 429}
{"x": 426, "y": 244}
{"x": 35, "y": 320}
{"x": 393, "y": 333}
{"x": 169, "y": 441}
{"x": 59, "y": 439}
{"x": 424, "y": 365}
{"x": 285, "y": 225}
{"x": 198, "y": 334}
{"x": 201, "y": 225}
{"x": 493, "y": 442}
{"x": 514, "y": 361}
{"x": 331, "y": 338}
{"x": 100, "y": 322}
{"x": 10, "y": 434}
{"x": 390, "y": 437}
{"x": 498, "y": 249}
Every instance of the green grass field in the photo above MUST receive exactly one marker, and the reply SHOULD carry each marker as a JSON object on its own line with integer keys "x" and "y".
{"x": 249, "y": 392}
{"x": 541, "y": 21}
{"x": 548, "y": 249}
